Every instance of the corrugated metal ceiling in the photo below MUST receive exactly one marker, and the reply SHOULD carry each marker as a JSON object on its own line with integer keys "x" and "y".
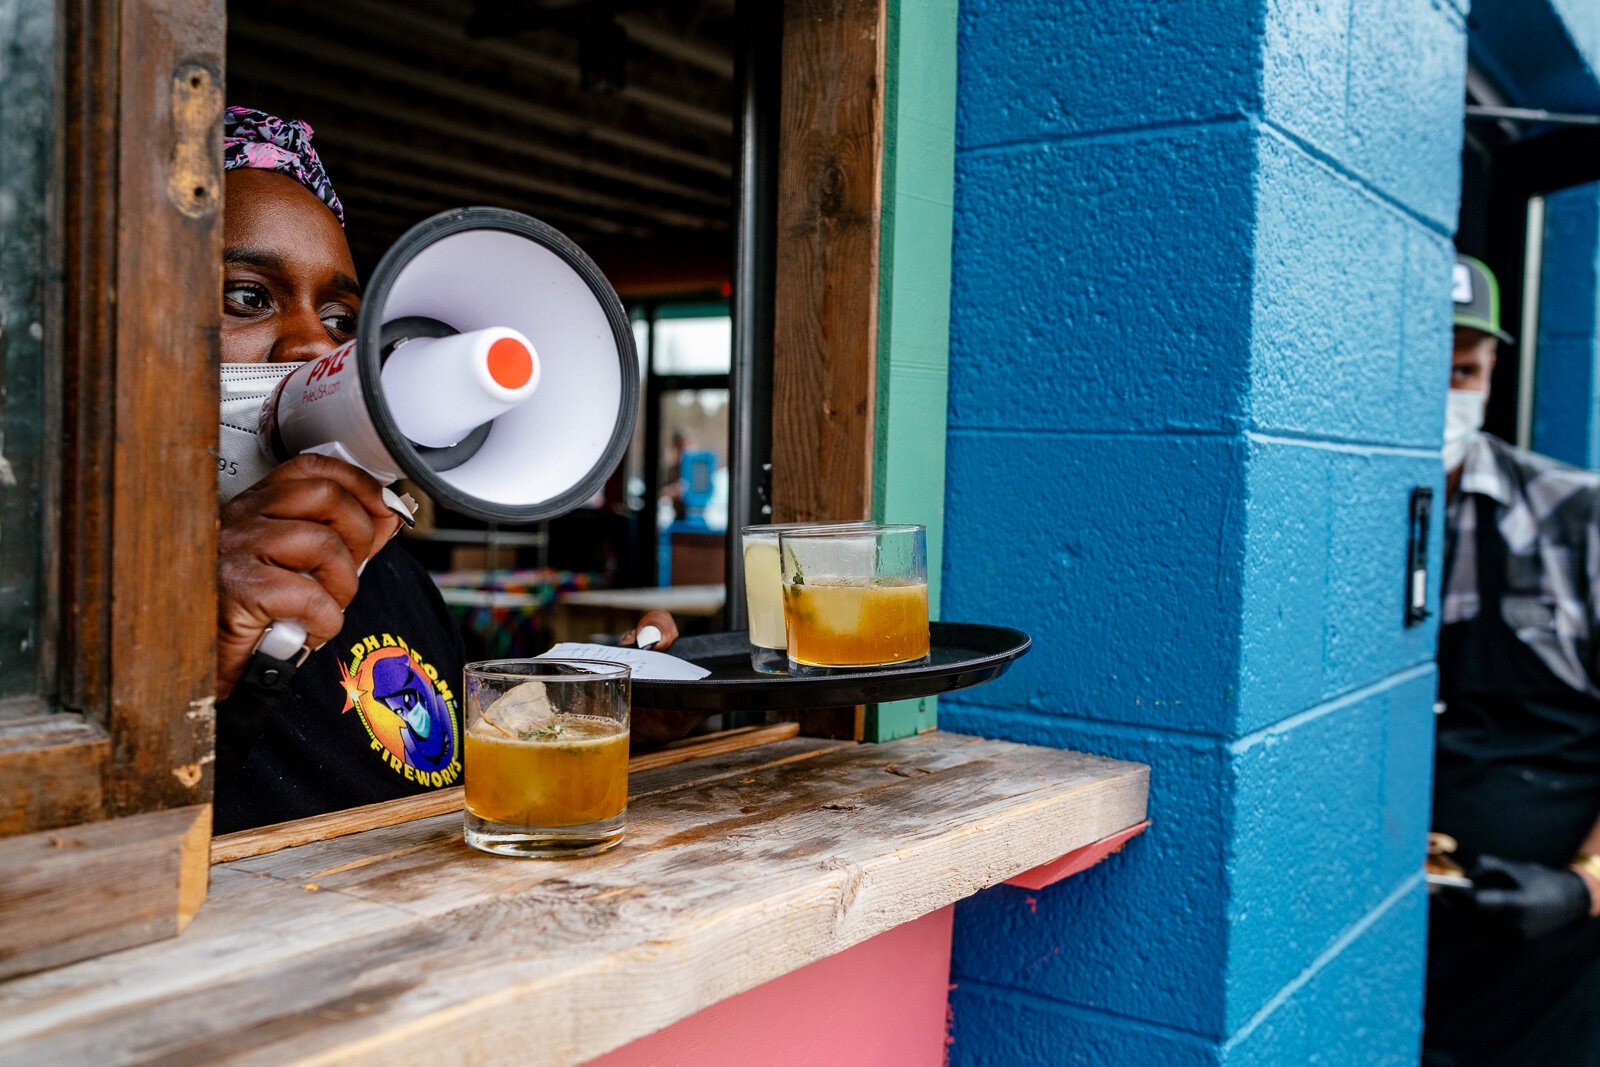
{"x": 613, "y": 121}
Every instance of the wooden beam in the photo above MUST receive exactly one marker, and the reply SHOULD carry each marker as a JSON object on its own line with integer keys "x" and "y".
{"x": 51, "y": 764}
{"x": 402, "y": 22}
{"x": 826, "y": 332}
{"x": 736, "y": 870}
{"x": 162, "y": 633}
{"x": 334, "y": 54}
{"x": 71, "y": 894}
{"x": 372, "y": 176}
{"x": 245, "y": 75}
{"x": 702, "y": 54}
{"x": 446, "y": 163}
{"x": 268, "y": 839}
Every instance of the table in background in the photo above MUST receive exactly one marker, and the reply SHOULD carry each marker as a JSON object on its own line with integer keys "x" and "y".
{"x": 579, "y": 615}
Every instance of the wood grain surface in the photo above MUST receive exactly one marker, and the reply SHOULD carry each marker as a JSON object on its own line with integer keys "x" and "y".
{"x": 825, "y": 333}
{"x": 50, "y": 764}
{"x": 265, "y": 839}
{"x": 403, "y": 943}
{"x": 161, "y": 635}
{"x": 87, "y": 890}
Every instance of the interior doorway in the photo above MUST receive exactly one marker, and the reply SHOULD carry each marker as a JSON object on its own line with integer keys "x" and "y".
{"x": 617, "y": 122}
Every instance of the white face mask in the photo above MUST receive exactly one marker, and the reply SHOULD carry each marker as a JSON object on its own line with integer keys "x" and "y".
{"x": 1463, "y": 418}
{"x": 242, "y": 457}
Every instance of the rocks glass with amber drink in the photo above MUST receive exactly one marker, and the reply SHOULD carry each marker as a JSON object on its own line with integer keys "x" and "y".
{"x": 854, "y": 598}
{"x": 546, "y": 756}
{"x": 763, "y": 591}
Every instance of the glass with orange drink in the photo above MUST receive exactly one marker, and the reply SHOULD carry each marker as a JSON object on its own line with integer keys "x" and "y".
{"x": 854, "y": 599}
{"x": 546, "y": 756}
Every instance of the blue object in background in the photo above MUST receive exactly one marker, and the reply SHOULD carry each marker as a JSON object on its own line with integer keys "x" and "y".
{"x": 1566, "y": 412}
{"x": 696, "y": 473}
{"x": 1199, "y": 345}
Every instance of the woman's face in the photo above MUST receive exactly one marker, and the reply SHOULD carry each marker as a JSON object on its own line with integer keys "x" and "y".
{"x": 289, "y": 289}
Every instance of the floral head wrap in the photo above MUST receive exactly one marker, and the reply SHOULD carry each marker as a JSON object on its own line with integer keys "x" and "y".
{"x": 252, "y": 138}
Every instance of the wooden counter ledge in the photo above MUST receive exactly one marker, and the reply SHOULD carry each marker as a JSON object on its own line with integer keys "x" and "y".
{"x": 400, "y": 943}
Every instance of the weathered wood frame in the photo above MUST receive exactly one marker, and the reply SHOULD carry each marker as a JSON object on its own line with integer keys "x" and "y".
{"x": 141, "y": 226}
{"x": 830, "y": 176}
{"x": 111, "y": 790}
{"x": 866, "y": 176}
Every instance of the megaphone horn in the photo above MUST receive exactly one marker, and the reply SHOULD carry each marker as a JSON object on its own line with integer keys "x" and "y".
{"x": 493, "y": 365}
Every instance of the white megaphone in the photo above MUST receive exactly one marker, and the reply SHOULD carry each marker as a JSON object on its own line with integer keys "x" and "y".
{"x": 493, "y": 365}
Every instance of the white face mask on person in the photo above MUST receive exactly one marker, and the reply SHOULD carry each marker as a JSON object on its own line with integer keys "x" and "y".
{"x": 1463, "y": 419}
{"x": 241, "y": 459}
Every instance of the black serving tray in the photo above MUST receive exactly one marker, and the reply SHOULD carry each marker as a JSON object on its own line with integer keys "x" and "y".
{"x": 963, "y": 655}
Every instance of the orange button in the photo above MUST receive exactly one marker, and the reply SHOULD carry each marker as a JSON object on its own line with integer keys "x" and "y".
{"x": 510, "y": 363}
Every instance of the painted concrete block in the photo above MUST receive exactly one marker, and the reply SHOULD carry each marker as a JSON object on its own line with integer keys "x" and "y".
{"x": 992, "y": 1027}
{"x": 1298, "y": 833}
{"x": 1305, "y": 67}
{"x": 1080, "y": 305}
{"x": 1567, "y": 387}
{"x": 1373, "y": 89}
{"x": 1325, "y": 574}
{"x": 1564, "y": 425}
{"x": 1332, "y": 816}
{"x": 1361, "y": 1005}
{"x": 1403, "y": 110}
{"x": 1569, "y": 278}
{"x": 1426, "y": 338}
{"x": 1545, "y": 53}
{"x": 1038, "y": 69}
{"x": 1354, "y": 1007}
{"x": 1143, "y": 934}
{"x": 1088, "y": 543}
{"x": 1347, "y": 288}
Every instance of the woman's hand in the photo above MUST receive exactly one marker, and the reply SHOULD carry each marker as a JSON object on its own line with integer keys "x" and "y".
{"x": 662, "y": 621}
{"x": 291, "y": 547}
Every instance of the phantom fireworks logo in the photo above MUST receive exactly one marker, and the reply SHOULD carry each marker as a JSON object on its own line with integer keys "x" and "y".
{"x": 408, "y": 710}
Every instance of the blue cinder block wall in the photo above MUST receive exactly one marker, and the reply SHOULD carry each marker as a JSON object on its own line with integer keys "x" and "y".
{"x": 1199, "y": 343}
{"x": 1566, "y": 414}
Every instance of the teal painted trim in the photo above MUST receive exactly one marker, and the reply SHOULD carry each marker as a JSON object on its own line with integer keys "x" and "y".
{"x": 704, "y": 309}
{"x": 919, "y": 140}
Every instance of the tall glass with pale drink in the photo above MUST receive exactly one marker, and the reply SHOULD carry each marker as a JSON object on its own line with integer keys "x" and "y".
{"x": 854, "y": 598}
{"x": 546, "y": 756}
{"x": 763, "y": 590}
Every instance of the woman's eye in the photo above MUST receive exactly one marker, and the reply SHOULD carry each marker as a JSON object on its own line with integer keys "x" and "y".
{"x": 253, "y": 297}
{"x": 340, "y": 323}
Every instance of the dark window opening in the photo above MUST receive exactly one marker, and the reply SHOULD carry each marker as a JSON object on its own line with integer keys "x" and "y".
{"x": 619, "y": 124}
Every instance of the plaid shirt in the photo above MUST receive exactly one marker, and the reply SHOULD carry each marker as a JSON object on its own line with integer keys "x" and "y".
{"x": 1548, "y": 514}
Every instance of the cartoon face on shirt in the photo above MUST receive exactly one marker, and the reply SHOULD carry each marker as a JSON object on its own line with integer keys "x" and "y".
{"x": 407, "y": 713}
{"x": 399, "y": 686}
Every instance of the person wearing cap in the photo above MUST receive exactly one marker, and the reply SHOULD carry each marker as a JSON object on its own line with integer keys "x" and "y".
{"x": 373, "y": 712}
{"x": 1514, "y": 960}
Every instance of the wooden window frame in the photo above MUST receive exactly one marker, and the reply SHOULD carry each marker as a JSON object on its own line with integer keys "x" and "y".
{"x": 108, "y": 794}
{"x": 106, "y": 829}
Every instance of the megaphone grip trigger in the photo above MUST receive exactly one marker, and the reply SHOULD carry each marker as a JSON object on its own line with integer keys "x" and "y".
{"x": 403, "y": 506}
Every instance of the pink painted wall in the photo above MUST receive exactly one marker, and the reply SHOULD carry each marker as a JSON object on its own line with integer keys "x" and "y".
{"x": 879, "y": 1004}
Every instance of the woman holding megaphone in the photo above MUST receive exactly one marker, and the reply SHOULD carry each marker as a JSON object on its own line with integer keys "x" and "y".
{"x": 373, "y": 712}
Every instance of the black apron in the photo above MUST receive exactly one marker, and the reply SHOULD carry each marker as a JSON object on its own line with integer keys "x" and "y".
{"x": 373, "y": 715}
{"x": 1517, "y": 775}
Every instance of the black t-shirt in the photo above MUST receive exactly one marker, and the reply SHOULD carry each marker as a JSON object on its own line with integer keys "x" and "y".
{"x": 372, "y": 715}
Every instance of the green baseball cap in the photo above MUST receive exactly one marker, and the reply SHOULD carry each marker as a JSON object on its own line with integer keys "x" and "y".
{"x": 1477, "y": 297}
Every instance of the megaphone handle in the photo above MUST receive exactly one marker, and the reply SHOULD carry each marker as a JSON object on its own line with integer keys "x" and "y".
{"x": 283, "y": 640}
{"x": 267, "y": 675}
{"x": 278, "y": 655}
